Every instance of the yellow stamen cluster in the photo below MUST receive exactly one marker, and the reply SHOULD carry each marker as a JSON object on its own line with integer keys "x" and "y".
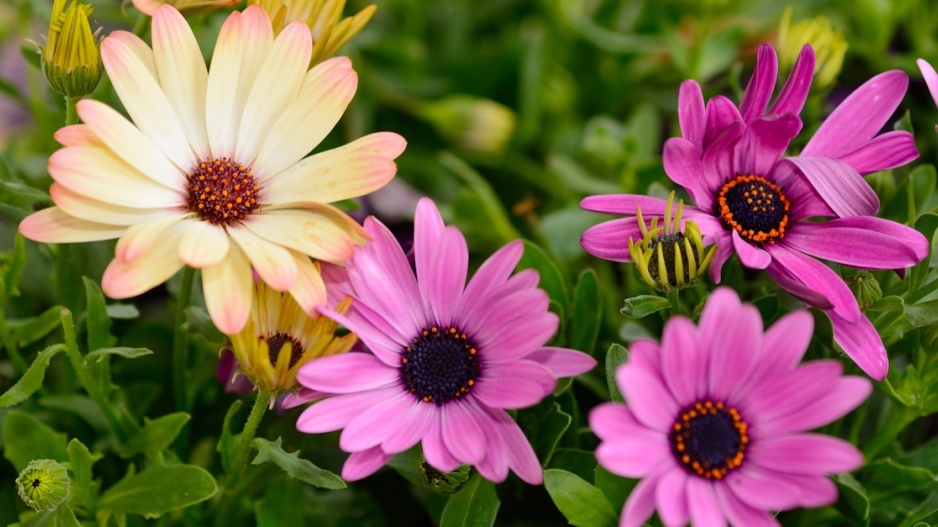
{"x": 666, "y": 257}
{"x": 323, "y": 18}
{"x": 70, "y": 58}
{"x": 683, "y": 429}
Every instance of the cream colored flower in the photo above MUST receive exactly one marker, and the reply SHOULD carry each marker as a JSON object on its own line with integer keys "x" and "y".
{"x": 211, "y": 172}
{"x": 149, "y": 7}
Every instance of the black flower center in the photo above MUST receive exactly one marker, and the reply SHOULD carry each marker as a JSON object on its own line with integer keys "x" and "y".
{"x": 221, "y": 191}
{"x": 754, "y": 207}
{"x": 275, "y": 343}
{"x": 667, "y": 249}
{"x": 709, "y": 439}
{"x": 36, "y": 483}
{"x": 440, "y": 365}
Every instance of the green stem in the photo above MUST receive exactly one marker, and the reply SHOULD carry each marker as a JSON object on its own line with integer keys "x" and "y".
{"x": 181, "y": 341}
{"x": 899, "y": 417}
{"x": 74, "y": 356}
{"x": 247, "y": 435}
{"x": 141, "y": 26}
{"x": 71, "y": 114}
{"x": 675, "y": 303}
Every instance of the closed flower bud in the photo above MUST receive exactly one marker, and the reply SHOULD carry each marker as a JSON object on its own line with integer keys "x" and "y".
{"x": 70, "y": 58}
{"x": 829, "y": 46}
{"x": 668, "y": 258}
{"x": 473, "y": 123}
{"x": 43, "y": 484}
{"x": 865, "y": 288}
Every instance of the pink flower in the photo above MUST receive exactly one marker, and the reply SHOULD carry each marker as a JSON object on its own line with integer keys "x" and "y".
{"x": 716, "y": 419}
{"x": 752, "y": 202}
{"x": 931, "y": 78}
{"x": 448, "y": 357}
{"x": 211, "y": 170}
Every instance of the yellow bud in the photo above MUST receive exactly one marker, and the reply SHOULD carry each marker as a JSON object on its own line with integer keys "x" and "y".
{"x": 829, "y": 46}
{"x": 474, "y": 123}
{"x": 70, "y": 58}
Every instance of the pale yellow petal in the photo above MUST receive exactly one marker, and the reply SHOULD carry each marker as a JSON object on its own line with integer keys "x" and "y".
{"x": 203, "y": 244}
{"x": 272, "y": 262}
{"x": 228, "y": 288}
{"x": 52, "y": 225}
{"x": 139, "y": 238}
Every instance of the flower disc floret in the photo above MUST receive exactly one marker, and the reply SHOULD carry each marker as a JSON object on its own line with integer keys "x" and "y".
{"x": 754, "y": 207}
{"x": 221, "y": 191}
{"x": 709, "y": 439}
{"x": 441, "y": 365}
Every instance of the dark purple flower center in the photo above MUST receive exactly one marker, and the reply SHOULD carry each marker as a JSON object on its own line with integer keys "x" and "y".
{"x": 709, "y": 439}
{"x": 276, "y": 342}
{"x": 440, "y": 365}
{"x": 670, "y": 255}
{"x": 754, "y": 207}
{"x": 221, "y": 191}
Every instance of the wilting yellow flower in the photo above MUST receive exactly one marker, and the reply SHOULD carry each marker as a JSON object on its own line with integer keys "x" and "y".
{"x": 474, "y": 123}
{"x": 829, "y": 46}
{"x": 322, "y": 17}
{"x": 666, "y": 257}
{"x": 70, "y": 58}
{"x": 280, "y": 337}
{"x": 211, "y": 173}
{"x": 148, "y": 7}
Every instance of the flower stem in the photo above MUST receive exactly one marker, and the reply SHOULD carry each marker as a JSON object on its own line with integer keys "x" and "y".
{"x": 71, "y": 114}
{"x": 181, "y": 341}
{"x": 140, "y": 27}
{"x": 675, "y": 303}
{"x": 247, "y": 435}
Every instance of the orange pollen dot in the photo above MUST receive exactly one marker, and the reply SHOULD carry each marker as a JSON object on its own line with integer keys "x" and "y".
{"x": 216, "y": 196}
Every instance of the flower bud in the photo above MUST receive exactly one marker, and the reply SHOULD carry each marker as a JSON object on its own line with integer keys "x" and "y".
{"x": 474, "y": 123}
{"x": 865, "y": 288}
{"x": 70, "y": 58}
{"x": 829, "y": 46}
{"x": 666, "y": 257}
{"x": 43, "y": 484}
{"x": 148, "y": 7}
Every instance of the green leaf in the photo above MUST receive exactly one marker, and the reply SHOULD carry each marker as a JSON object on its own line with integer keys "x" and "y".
{"x": 544, "y": 425}
{"x": 122, "y": 311}
{"x": 551, "y": 279}
{"x": 616, "y": 356}
{"x": 228, "y": 443}
{"x": 13, "y": 271}
{"x": 156, "y": 435}
{"x": 18, "y": 200}
{"x": 587, "y": 313}
{"x": 295, "y": 466}
{"x": 65, "y": 517}
{"x": 83, "y": 491}
{"x": 29, "y": 330}
{"x": 852, "y": 498}
{"x": 615, "y": 488}
{"x": 199, "y": 323}
{"x": 643, "y": 305}
{"x": 279, "y": 507}
{"x": 475, "y": 505}
{"x": 924, "y": 314}
{"x": 927, "y": 224}
{"x": 25, "y": 438}
{"x": 888, "y": 476}
{"x": 98, "y": 321}
{"x": 159, "y": 489}
{"x": 32, "y": 379}
{"x": 79, "y": 405}
{"x": 887, "y": 304}
{"x": 127, "y": 353}
{"x": 582, "y": 504}
{"x": 579, "y": 462}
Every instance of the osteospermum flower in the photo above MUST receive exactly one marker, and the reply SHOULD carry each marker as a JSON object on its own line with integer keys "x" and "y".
{"x": 752, "y": 202}
{"x": 211, "y": 172}
{"x": 448, "y": 357}
{"x": 280, "y": 338}
{"x": 716, "y": 419}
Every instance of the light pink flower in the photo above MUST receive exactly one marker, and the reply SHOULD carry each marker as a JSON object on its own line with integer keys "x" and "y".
{"x": 716, "y": 419}
{"x": 448, "y": 357}
{"x": 211, "y": 173}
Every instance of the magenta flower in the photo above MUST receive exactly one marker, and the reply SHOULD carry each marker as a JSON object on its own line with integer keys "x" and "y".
{"x": 931, "y": 79}
{"x": 448, "y": 358}
{"x": 753, "y": 202}
{"x": 716, "y": 419}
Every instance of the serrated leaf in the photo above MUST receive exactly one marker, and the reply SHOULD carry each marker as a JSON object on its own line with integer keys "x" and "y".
{"x": 29, "y": 330}
{"x": 921, "y": 315}
{"x": 544, "y": 425}
{"x": 616, "y": 356}
{"x": 887, "y": 475}
{"x": 475, "y": 505}
{"x": 852, "y": 497}
{"x": 294, "y": 465}
{"x": 582, "y": 504}
{"x": 156, "y": 435}
{"x": 643, "y": 305}
{"x": 25, "y": 438}
{"x": 83, "y": 490}
{"x": 127, "y": 353}
{"x": 887, "y": 304}
{"x": 32, "y": 379}
{"x": 587, "y": 313}
{"x": 158, "y": 490}
{"x": 228, "y": 443}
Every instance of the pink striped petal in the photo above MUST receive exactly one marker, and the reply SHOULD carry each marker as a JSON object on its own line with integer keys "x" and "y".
{"x": 521, "y": 457}
{"x": 889, "y": 150}
{"x": 683, "y": 165}
{"x": 488, "y": 279}
{"x": 838, "y": 184}
{"x": 931, "y": 78}
{"x": 719, "y": 159}
{"x": 738, "y": 513}
{"x": 860, "y": 241}
{"x": 759, "y": 90}
{"x": 641, "y": 503}
{"x": 612, "y": 421}
{"x": 228, "y": 288}
{"x": 495, "y": 465}
{"x": 751, "y": 256}
{"x": 529, "y": 334}
{"x": 691, "y": 113}
{"x": 514, "y": 385}
{"x": 610, "y": 240}
{"x": 436, "y": 453}
{"x": 765, "y": 142}
{"x": 783, "y": 346}
{"x": 763, "y": 488}
{"x": 808, "y": 454}
{"x": 428, "y": 228}
{"x": 348, "y": 373}
{"x": 721, "y": 113}
{"x": 374, "y": 425}
{"x": 837, "y": 401}
{"x": 335, "y": 413}
{"x": 462, "y": 435}
{"x": 412, "y": 428}
{"x": 819, "y": 278}
{"x": 684, "y": 360}
{"x": 647, "y": 396}
{"x": 816, "y": 491}
{"x": 52, "y": 225}
{"x": 446, "y": 276}
{"x": 360, "y": 465}
{"x": 635, "y": 456}
{"x": 795, "y": 92}
{"x": 862, "y": 343}
{"x": 671, "y": 497}
{"x": 702, "y": 504}
{"x": 733, "y": 354}
{"x": 563, "y": 362}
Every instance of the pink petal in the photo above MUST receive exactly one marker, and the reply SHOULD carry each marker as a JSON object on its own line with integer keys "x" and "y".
{"x": 839, "y": 400}
{"x": 521, "y": 457}
{"x": 610, "y": 240}
{"x": 861, "y": 342}
{"x": 373, "y": 330}
{"x": 436, "y": 453}
{"x": 759, "y": 90}
{"x": 765, "y": 142}
{"x": 563, "y": 362}
{"x": 412, "y": 428}
{"x": 860, "y": 117}
{"x": 838, "y": 184}
{"x": 684, "y": 361}
{"x": 462, "y": 435}
{"x": 816, "y": 491}
{"x": 738, "y": 513}
{"x": 489, "y": 278}
{"x": 348, "y": 373}
{"x": 641, "y": 503}
{"x": 501, "y": 315}
{"x": 524, "y": 337}
{"x": 889, "y": 150}
{"x": 931, "y": 78}
{"x": 724, "y": 250}
{"x": 647, "y": 397}
{"x": 516, "y": 384}
{"x": 391, "y": 258}
{"x": 792, "y": 390}
{"x": 860, "y": 241}
{"x": 734, "y": 353}
{"x": 751, "y": 256}
{"x": 428, "y": 228}
{"x": 636, "y": 456}
{"x": 360, "y": 465}
{"x": 495, "y": 465}
{"x": 763, "y": 488}
{"x": 783, "y": 346}
{"x": 702, "y": 504}
{"x": 671, "y": 497}
{"x": 795, "y": 286}
{"x": 645, "y": 354}
{"x": 682, "y": 164}
{"x": 336, "y": 412}
{"x": 719, "y": 159}
{"x": 795, "y": 92}
{"x": 373, "y": 426}
{"x": 375, "y": 287}
{"x": 808, "y": 454}
{"x": 818, "y": 277}
{"x": 624, "y": 204}
{"x": 721, "y": 113}
{"x": 613, "y": 421}
{"x": 53, "y": 225}
{"x": 445, "y": 280}
{"x": 691, "y": 113}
